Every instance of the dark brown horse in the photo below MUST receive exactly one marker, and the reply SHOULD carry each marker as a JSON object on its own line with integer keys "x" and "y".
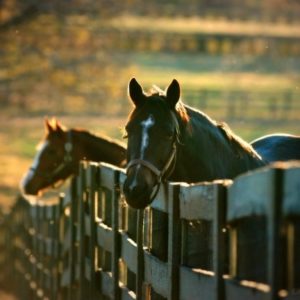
{"x": 60, "y": 153}
{"x": 278, "y": 147}
{"x": 170, "y": 140}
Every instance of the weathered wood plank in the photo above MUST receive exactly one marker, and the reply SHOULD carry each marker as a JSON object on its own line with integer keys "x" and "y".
{"x": 174, "y": 237}
{"x": 161, "y": 200}
{"x": 116, "y": 237}
{"x": 107, "y": 175}
{"x": 291, "y": 193}
{"x": 219, "y": 238}
{"x": 91, "y": 175}
{"x": 156, "y": 274}
{"x": 87, "y": 224}
{"x": 126, "y": 294}
{"x": 129, "y": 252}
{"x": 197, "y": 201}
{"x": 66, "y": 278}
{"x": 237, "y": 290}
{"x": 106, "y": 284}
{"x": 243, "y": 201}
{"x": 104, "y": 236}
{"x": 197, "y": 284}
{"x": 88, "y": 265}
{"x": 274, "y": 226}
{"x": 140, "y": 255}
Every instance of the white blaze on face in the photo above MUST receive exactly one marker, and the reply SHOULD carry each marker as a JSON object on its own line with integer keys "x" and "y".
{"x": 146, "y": 125}
{"x": 28, "y": 177}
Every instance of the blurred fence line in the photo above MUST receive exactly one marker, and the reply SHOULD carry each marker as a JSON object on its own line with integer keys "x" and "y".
{"x": 209, "y": 43}
{"x": 246, "y": 104}
{"x": 272, "y": 11}
{"x": 263, "y": 105}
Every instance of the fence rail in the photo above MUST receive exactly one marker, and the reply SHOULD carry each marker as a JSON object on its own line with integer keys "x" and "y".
{"x": 214, "y": 240}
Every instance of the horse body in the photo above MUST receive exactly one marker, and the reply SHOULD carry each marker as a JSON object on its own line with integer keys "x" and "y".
{"x": 209, "y": 150}
{"x": 61, "y": 152}
{"x": 200, "y": 148}
{"x": 278, "y": 147}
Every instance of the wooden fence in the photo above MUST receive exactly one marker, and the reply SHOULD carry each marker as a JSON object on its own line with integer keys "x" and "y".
{"x": 214, "y": 240}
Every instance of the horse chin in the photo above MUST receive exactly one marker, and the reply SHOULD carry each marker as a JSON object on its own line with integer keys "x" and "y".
{"x": 30, "y": 195}
{"x": 138, "y": 187}
{"x": 138, "y": 203}
{"x": 30, "y": 192}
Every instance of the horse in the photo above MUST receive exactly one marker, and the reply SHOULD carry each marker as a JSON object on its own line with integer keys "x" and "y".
{"x": 278, "y": 147}
{"x": 60, "y": 153}
{"x": 168, "y": 139}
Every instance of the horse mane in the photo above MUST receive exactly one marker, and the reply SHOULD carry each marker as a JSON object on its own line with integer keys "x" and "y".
{"x": 238, "y": 144}
{"x": 103, "y": 138}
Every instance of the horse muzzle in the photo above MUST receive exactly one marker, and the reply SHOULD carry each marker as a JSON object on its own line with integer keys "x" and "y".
{"x": 138, "y": 187}
{"x": 29, "y": 184}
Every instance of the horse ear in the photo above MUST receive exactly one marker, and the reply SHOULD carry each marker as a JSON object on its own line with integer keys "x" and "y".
{"x": 173, "y": 93}
{"x": 48, "y": 126}
{"x": 53, "y": 126}
{"x": 59, "y": 128}
{"x": 136, "y": 92}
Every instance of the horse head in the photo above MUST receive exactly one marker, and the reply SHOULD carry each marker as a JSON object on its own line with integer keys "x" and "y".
{"x": 152, "y": 132}
{"x": 53, "y": 162}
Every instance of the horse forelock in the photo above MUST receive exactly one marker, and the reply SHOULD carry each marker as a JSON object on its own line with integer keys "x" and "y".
{"x": 180, "y": 109}
{"x": 156, "y": 90}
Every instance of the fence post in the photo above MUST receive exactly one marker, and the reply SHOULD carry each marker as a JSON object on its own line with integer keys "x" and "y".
{"x": 273, "y": 230}
{"x": 219, "y": 238}
{"x": 116, "y": 239}
{"x": 140, "y": 255}
{"x": 174, "y": 241}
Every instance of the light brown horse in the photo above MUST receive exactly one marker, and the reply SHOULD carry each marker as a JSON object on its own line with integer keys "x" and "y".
{"x": 60, "y": 153}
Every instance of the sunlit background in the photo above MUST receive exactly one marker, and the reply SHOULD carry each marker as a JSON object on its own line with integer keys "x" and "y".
{"x": 238, "y": 61}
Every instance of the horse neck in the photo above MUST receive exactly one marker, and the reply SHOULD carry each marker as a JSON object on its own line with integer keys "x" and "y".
{"x": 216, "y": 153}
{"x": 97, "y": 149}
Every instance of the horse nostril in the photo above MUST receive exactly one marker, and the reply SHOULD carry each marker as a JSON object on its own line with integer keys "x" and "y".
{"x": 136, "y": 194}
